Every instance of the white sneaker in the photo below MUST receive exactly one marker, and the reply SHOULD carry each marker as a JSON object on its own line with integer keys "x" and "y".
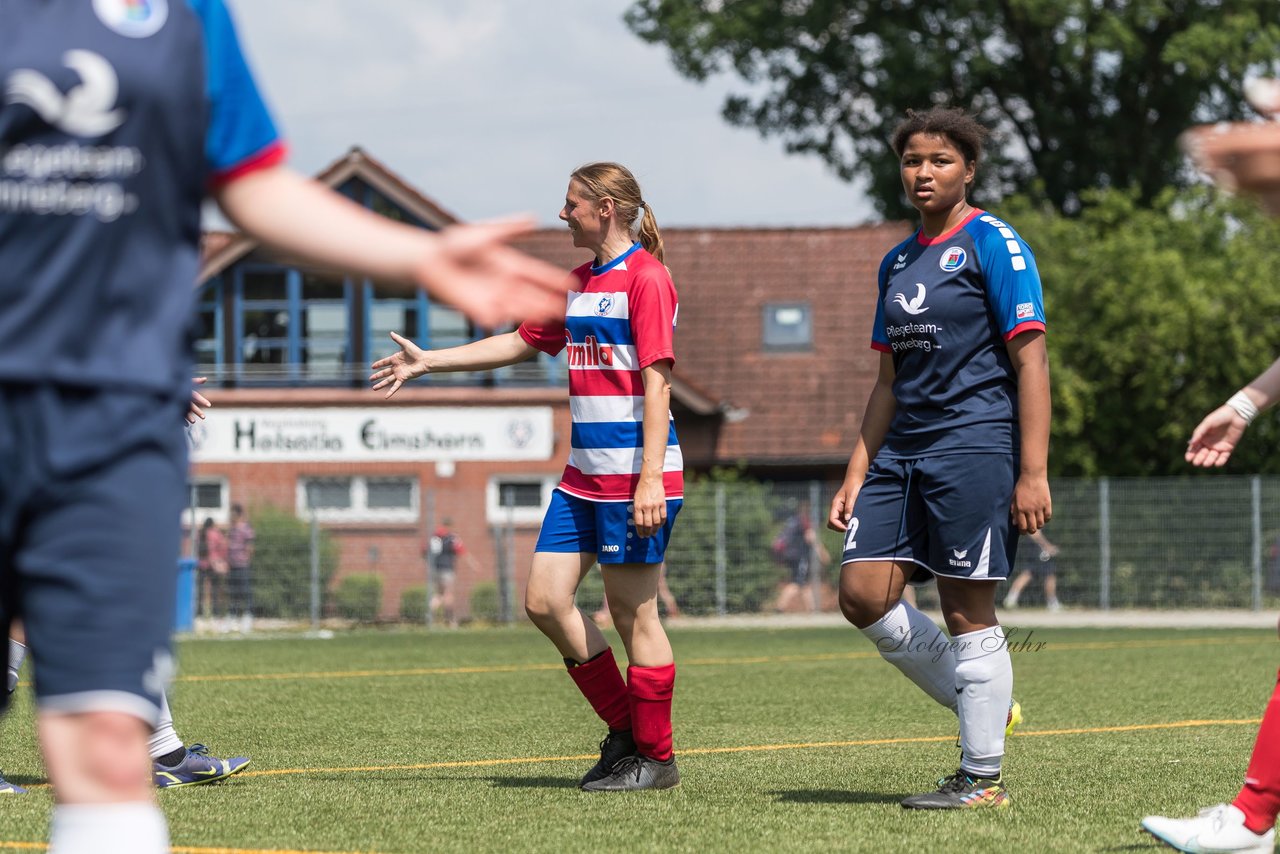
{"x": 1216, "y": 830}
{"x": 1011, "y": 602}
{"x": 1053, "y": 605}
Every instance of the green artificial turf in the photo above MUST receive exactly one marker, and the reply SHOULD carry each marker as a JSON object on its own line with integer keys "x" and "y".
{"x": 402, "y": 741}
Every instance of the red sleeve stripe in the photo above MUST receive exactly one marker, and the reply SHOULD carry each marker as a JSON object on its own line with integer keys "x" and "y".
{"x": 1028, "y": 326}
{"x": 883, "y": 348}
{"x": 273, "y": 155}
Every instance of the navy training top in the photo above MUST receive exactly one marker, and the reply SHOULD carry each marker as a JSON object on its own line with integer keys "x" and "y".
{"x": 947, "y": 306}
{"x": 116, "y": 116}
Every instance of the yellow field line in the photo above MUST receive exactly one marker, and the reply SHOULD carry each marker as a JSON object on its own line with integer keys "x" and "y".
{"x": 693, "y": 662}
{"x": 753, "y": 748}
{"x": 1049, "y": 646}
{"x": 696, "y": 751}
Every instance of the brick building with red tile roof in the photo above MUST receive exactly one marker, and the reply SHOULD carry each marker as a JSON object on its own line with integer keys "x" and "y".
{"x": 774, "y": 366}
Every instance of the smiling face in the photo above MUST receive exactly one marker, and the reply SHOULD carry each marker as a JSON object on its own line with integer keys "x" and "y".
{"x": 587, "y": 218}
{"x": 935, "y": 174}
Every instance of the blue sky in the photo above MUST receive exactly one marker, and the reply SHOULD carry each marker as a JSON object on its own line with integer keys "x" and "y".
{"x": 487, "y": 105}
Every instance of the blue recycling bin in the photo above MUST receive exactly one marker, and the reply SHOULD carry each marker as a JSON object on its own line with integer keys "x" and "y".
{"x": 185, "y": 612}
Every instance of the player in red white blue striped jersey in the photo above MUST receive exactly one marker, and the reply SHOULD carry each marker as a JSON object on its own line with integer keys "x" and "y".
{"x": 623, "y": 484}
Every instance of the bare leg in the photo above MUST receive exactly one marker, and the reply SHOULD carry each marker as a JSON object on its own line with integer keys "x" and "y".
{"x": 548, "y": 600}
{"x": 869, "y": 590}
{"x": 632, "y": 591}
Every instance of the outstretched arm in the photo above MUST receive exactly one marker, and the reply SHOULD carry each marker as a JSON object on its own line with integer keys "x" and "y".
{"x": 1221, "y": 430}
{"x": 467, "y": 266}
{"x": 412, "y": 361}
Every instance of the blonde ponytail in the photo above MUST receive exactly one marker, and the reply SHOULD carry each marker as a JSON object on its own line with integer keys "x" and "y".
{"x": 615, "y": 181}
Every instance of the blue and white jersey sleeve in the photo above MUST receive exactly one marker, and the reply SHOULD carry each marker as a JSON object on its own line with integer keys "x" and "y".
{"x": 241, "y": 136}
{"x": 1012, "y": 279}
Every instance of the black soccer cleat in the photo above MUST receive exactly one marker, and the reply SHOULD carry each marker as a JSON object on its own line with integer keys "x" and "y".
{"x": 616, "y": 747}
{"x": 636, "y": 773}
{"x": 961, "y": 791}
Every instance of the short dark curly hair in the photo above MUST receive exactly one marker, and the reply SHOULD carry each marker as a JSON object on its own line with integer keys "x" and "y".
{"x": 966, "y": 132}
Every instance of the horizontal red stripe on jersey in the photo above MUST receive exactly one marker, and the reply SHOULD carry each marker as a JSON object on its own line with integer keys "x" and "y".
{"x": 594, "y": 382}
{"x": 615, "y": 487}
{"x": 883, "y": 348}
{"x": 1028, "y": 326}
{"x": 273, "y": 155}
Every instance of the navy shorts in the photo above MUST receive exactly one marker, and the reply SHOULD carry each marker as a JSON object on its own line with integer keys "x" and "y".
{"x": 94, "y": 484}
{"x": 948, "y": 515}
{"x": 603, "y": 528}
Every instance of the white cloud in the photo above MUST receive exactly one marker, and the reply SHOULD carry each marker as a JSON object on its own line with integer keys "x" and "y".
{"x": 487, "y": 105}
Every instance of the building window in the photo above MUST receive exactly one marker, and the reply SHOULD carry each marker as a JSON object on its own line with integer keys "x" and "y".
{"x": 208, "y": 498}
{"x": 325, "y": 334}
{"x": 263, "y": 323}
{"x": 788, "y": 326}
{"x": 208, "y": 344}
{"x": 388, "y": 500}
{"x": 518, "y": 499}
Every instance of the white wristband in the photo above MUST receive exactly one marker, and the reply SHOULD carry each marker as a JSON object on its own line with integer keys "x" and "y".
{"x": 1244, "y": 407}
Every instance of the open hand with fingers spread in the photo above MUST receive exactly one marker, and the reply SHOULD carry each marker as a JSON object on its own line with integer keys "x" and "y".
{"x": 398, "y": 368}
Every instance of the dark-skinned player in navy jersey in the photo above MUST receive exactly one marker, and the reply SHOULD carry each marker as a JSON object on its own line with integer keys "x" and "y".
{"x": 624, "y": 481}
{"x": 950, "y": 463}
{"x": 117, "y": 117}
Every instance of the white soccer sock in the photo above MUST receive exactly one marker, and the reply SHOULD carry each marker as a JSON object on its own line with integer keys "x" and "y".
{"x": 984, "y": 684}
{"x": 911, "y": 642}
{"x": 164, "y": 740}
{"x": 129, "y": 828}
{"x": 17, "y": 652}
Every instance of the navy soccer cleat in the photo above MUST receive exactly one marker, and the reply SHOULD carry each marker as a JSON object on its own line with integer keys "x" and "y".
{"x": 195, "y": 768}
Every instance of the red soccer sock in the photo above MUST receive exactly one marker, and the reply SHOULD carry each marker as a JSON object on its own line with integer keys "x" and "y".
{"x": 600, "y": 682}
{"x": 1259, "y": 800}
{"x": 651, "y": 689}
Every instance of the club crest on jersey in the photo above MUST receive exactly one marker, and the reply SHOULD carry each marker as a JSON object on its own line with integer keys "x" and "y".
{"x": 605, "y": 305}
{"x": 136, "y": 19}
{"x": 952, "y": 259}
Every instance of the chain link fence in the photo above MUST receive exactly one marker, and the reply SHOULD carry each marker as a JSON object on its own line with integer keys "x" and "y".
{"x": 362, "y": 549}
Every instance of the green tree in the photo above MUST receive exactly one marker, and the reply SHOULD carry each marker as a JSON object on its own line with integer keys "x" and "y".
{"x": 282, "y": 563}
{"x": 743, "y": 522}
{"x": 1084, "y": 93}
{"x": 1156, "y": 314}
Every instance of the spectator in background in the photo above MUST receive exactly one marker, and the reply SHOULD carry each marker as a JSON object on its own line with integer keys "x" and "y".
{"x": 211, "y": 554}
{"x": 1042, "y": 567}
{"x": 444, "y": 550}
{"x": 799, "y": 549}
{"x": 1245, "y": 157}
{"x": 240, "y": 548}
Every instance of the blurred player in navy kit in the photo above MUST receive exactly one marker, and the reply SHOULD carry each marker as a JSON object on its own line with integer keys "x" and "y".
{"x": 951, "y": 460}
{"x": 116, "y": 118}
